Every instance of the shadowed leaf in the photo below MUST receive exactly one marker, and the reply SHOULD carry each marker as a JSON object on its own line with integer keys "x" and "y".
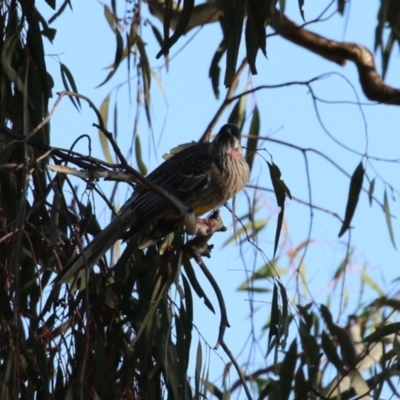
{"x": 300, "y": 384}
{"x": 232, "y": 23}
{"x": 215, "y": 70}
{"x": 253, "y": 138}
{"x": 146, "y": 74}
{"x": 383, "y": 331}
{"x": 251, "y": 40}
{"x": 330, "y": 351}
{"x": 274, "y": 322}
{"x": 180, "y": 28}
{"x": 197, "y": 373}
{"x": 310, "y": 347}
{"x": 281, "y": 190}
{"x": 301, "y": 4}
{"x": 352, "y": 200}
{"x": 68, "y": 80}
{"x": 139, "y": 159}
{"x": 195, "y": 283}
{"x": 286, "y": 372}
{"x": 103, "y": 139}
{"x": 371, "y": 191}
{"x": 342, "y": 266}
{"x": 341, "y": 5}
{"x": 388, "y": 217}
{"x": 238, "y": 114}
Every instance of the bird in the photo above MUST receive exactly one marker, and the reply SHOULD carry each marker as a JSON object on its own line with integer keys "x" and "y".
{"x": 203, "y": 177}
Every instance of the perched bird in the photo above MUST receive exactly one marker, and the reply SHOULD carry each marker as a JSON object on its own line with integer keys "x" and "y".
{"x": 203, "y": 177}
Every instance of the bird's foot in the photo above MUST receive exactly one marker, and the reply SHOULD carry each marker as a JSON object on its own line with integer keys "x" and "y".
{"x": 208, "y": 226}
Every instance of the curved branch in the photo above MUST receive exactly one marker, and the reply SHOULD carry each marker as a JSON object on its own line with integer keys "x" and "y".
{"x": 371, "y": 82}
{"x": 339, "y": 52}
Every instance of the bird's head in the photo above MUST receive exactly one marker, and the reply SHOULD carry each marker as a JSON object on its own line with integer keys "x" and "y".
{"x": 227, "y": 141}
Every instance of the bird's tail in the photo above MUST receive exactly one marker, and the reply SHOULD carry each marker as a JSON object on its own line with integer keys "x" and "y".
{"x": 92, "y": 253}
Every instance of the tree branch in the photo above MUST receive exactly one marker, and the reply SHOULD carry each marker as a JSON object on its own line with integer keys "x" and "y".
{"x": 371, "y": 82}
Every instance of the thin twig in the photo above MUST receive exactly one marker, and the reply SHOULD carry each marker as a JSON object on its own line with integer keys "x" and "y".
{"x": 238, "y": 370}
{"x": 196, "y": 248}
{"x": 226, "y": 102}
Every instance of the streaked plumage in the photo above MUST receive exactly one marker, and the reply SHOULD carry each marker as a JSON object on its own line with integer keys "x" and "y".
{"x": 203, "y": 177}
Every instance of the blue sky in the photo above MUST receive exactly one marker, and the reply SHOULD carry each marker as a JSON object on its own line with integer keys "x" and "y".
{"x": 185, "y": 105}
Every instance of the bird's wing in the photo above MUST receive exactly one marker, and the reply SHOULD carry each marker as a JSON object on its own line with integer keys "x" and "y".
{"x": 185, "y": 173}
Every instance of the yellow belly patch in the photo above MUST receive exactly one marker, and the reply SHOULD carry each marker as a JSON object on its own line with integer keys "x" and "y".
{"x": 203, "y": 209}
{"x": 198, "y": 211}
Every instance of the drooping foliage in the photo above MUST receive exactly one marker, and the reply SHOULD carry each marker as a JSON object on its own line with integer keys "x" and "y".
{"x": 127, "y": 332}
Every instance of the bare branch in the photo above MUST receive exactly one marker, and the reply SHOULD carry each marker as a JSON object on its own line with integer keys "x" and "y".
{"x": 339, "y": 52}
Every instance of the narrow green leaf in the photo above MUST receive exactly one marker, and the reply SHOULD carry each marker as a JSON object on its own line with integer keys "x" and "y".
{"x": 310, "y": 347}
{"x": 300, "y": 384}
{"x": 251, "y": 228}
{"x": 148, "y": 321}
{"x": 6, "y": 60}
{"x": 347, "y": 349}
{"x": 119, "y": 51}
{"x": 387, "y": 52}
{"x": 343, "y": 265}
{"x": 103, "y": 140}
{"x": 197, "y": 374}
{"x": 261, "y": 13}
{"x": 110, "y": 17}
{"x": 50, "y": 33}
{"x": 120, "y": 54}
{"x": 281, "y": 190}
{"x": 180, "y": 28}
{"x": 108, "y": 77}
{"x": 340, "y": 7}
{"x": 251, "y": 40}
{"x": 371, "y": 191}
{"x": 195, "y": 283}
{"x": 253, "y": 138}
{"x": 354, "y": 193}
{"x": 25, "y": 101}
{"x": 168, "y": 6}
{"x": 386, "y": 209}
{"x": 372, "y": 284}
{"x": 286, "y": 372}
{"x": 68, "y": 79}
{"x": 215, "y": 70}
{"x": 51, "y": 3}
{"x": 383, "y": 331}
{"x": 285, "y": 303}
{"x": 238, "y": 114}
{"x": 301, "y": 4}
{"x": 233, "y": 23}
{"x": 146, "y": 75}
{"x": 187, "y": 322}
{"x": 330, "y": 351}
{"x": 274, "y": 322}
{"x": 157, "y": 35}
{"x": 265, "y": 272}
{"x": 139, "y": 159}
{"x": 383, "y": 16}
{"x": 285, "y": 315}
